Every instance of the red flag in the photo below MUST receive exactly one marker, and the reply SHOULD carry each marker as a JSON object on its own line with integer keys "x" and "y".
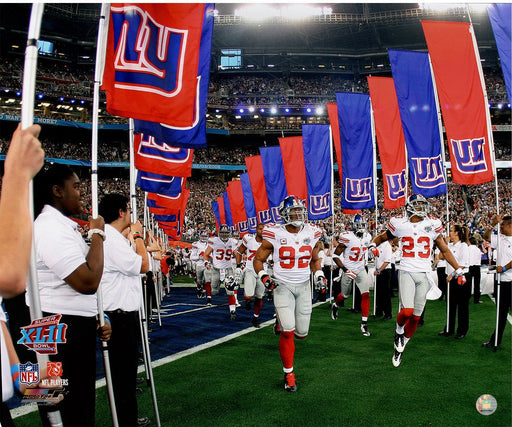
{"x": 222, "y": 210}
{"x": 294, "y": 166}
{"x": 152, "y": 61}
{"x": 390, "y": 139}
{"x": 460, "y": 86}
{"x": 160, "y": 158}
{"x": 259, "y": 192}
{"x": 236, "y": 202}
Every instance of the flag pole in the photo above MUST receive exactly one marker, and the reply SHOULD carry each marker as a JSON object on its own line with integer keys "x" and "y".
{"x": 27, "y": 119}
{"x": 331, "y": 151}
{"x": 374, "y": 148}
{"x": 98, "y": 78}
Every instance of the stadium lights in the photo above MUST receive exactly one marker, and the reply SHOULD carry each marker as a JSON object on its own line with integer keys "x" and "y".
{"x": 308, "y": 110}
{"x": 256, "y": 116}
{"x": 273, "y": 110}
{"x": 251, "y": 109}
{"x": 6, "y": 90}
{"x": 262, "y": 110}
{"x": 72, "y": 101}
{"x": 82, "y": 101}
{"x": 265, "y": 12}
{"x": 319, "y": 111}
{"x": 217, "y": 111}
{"x": 238, "y": 117}
{"x": 500, "y": 106}
{"x": 40, "y": 96}
{"x": 241, "y": 111}
{"x": 18, "y": 93}
{"x": 61, "y": 99}
{"x": 508, "y": 105}
{"x": 286, "y": 110}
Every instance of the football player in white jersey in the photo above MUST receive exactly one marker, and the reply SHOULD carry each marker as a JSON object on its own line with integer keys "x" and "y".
{"x": 416, "y": 234}
{"x": 196, "y": 256}
{"x": 253, "y": 287}
{"x": 294, "y": 250}
{"x": 219, "y": 267}
{"x": 351, "y": 251}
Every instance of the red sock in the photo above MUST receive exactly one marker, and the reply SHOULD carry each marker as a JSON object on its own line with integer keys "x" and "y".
{"x": 339, "y": 299}
{"x": 410, "y": 326}
{"x": 287, "y": 349}
{"x": 257, "y": 305}
{"x": 208, "y": 288}
{"x": 365, "y": 304}
{"x": 404, "y": 314}
{"x": 231, "y": 300}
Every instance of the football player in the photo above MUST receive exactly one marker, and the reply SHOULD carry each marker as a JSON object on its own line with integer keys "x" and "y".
{"x": 351, "y": 251}
{"x": 416, "y": 233}
{"x": 253, "y": 287}
{"x": 294, "y": 250}
{"x": 196, "y": 256}
{"x": 219, "y": 267}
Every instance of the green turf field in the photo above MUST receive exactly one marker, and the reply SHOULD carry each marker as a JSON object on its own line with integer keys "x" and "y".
{"x": 343, "y": 378}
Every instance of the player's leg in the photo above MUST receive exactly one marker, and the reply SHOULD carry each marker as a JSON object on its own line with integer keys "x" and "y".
{"x": 258, "y": 302}
{"x": 363, "y": 283}
{"x": 406, "y": 291}
{"x": 250, "y": 279}
{"x": 339, "y": 301}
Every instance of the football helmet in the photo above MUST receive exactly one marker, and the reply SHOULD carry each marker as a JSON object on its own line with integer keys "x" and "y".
{"x": 224, "y": 233}
{"x": 359, "y": 225}
{"x": 293, "y": 211}
{"x": 417, "y": 205}
{"x": 204, "y": 236}
{"x": 236, "y": 234}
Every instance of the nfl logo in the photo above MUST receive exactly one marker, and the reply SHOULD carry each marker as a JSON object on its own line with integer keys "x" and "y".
{"x": 29, "y": 373}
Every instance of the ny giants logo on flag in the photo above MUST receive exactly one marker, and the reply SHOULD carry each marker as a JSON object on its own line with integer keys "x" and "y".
{"x": 275, "y": 214}
{"x": 149, "y": 57}
{"x": 265, "y": 216}
{"x": 358, "y": 190}
{"x": 152, "y": 149}
{"x": 396, "y": 185}
{"x": 428, "y": 171}
{"x": 320, "y": 204}
{"x": 469, "y": 155}
{"x": 252, "y": 223}
{"x": 243, "y": 227}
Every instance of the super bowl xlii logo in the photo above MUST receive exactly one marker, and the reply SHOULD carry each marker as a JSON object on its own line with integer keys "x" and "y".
{"x": 43, "y": 335}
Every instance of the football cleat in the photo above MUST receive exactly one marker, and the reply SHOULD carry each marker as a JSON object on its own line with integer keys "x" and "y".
{"x": 208, "y": 301}
{"x": 364, "y": 330}
{"x": 276, "y": 328}
{"x": 334, "y": 311}
{"x": 399, "y": 342}
{"x": 255, "y": 322}
{"x": 289, "y": 382}
{"x": 232, "y": 315}
{"x": 397, "y": 359}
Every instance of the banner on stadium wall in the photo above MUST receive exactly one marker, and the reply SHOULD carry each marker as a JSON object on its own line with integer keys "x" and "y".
{"x": 236, "y": 202}
{"x": 316, "y": 144}
{"x": 259, "y": 192}
{"x": 500, "y": 15}
{"x": 154, "y": 60}
{"x": 294, "y": 168}
{"x": 461, "y": 89}
{"x": 275, "y": 184}
{"x": 250, "y": 208}
{"x": 390, "y": 140}
{"x": 227, "y": 210}
{"x": 160, "y": 184}
{"x": 414, "y": 90}
{"x": 355, "y": 129}
{"x": 157, "y": 157}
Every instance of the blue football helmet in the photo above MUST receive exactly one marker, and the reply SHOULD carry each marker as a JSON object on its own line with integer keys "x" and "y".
{"x": 292, "y": 211}
{"x": 417, "y": 205}
{"x": 224, "y": 233}
{"x": 359, "y": 225}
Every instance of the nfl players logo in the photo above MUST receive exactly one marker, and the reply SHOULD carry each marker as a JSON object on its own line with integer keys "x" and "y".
{"x": 54, "y": 369}
{"x": 29, "y": 373}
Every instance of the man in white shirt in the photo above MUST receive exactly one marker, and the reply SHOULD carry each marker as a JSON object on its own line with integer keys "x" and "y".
{"x": 121, "y": 289}
{"x": 475, "y": 262}
{"x": 383, "y": 280}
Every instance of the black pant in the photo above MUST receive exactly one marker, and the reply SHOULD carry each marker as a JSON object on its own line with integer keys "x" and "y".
{"x": 474, "y": 275}
{"x": 123, "y": 350}
{"x": 441, "y": 280}
{"x": 383, "y": 285}
{"x": 459, "y": 305}
{"x": 504, "y": 305}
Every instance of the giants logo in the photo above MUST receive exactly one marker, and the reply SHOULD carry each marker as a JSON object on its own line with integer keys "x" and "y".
{"x": 428, "y": 171}
{"x": 149, "y": 57}
{"x": 396, "y": 185}
{"x": 358, "y": 190}
{"x": 243, "y": 227}
{"x": 252, "y": 222}
{"x": 275, "y": 215}
{"x": 149, "y": 148}
{"x": 320, "y": 204}
{"x": 469, "y": 155}
{"x": 265, "y": 217}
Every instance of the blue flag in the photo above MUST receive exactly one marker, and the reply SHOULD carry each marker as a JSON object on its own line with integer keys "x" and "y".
{"x": 250, "y": 208}
{"x": 418, "y": 112}
{"x": 215, "y": 208}
{"x": 500, "y": 16}
{"x": 316, "y": 144}
{"x": 275, "y": 182}
{"x": 354, "y": 116}
{"x": 227, "y": 209}
{"x": 159, "y": 184}
{"x": 166, "y": 218}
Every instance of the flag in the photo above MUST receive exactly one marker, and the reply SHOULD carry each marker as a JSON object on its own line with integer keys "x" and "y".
{"x": 416, "y": 98}
{"x": 160, "y": 158}
{"x": 460, "y": 86}
{"x": 173, "y": 229}
{"x": 155, "y": 58}
{"x": 292, "y": 156}
{"x": 216, "y": 213}
{"x": 275, "y": 183}
{"x": 390, "y": 140}
{"x": 332, "y": 111}
{"x": 222, "y": 211}
{"x": 316, "y": 143}
{"x": 154, "y": 183}
{"x": 259, "y": 193}
{"x": 250, "y": 209}
{"x": 236, "y": 202}
{"x": 355, "y": 129}
{"x": 500, "y": 16}
{"x": 168, "y": 202}
{"x": 227, "y": 209}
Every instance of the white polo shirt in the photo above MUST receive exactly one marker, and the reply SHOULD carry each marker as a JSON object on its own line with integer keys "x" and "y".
{"x": 385, "y": 254}
{"x": 504, "y": 254}
{"x": 475, "y": 255}
{"x": 461, "y": 253}
{"x": 121, "y": 286}
{"x": 60, "y": 250}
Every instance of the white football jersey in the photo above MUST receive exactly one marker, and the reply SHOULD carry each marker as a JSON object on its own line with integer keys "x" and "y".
{"x": 416, "y": 241}
{"x": 292, "y": 251}
{"x": 353, "y": 257}
{"x": 222, "y": 252}
{"x": 251, "y": 245}
{"x": 197, "y": 252}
